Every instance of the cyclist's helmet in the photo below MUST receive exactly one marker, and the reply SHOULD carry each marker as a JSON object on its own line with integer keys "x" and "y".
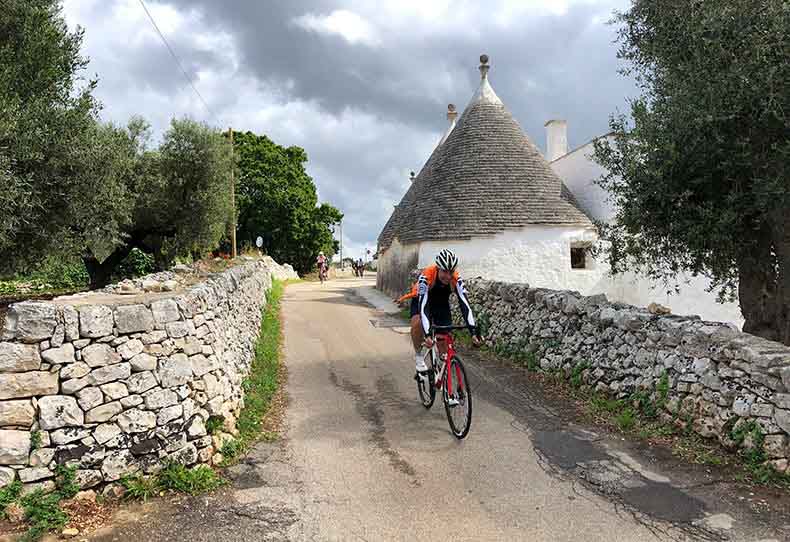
{"x": 446, "y": 260}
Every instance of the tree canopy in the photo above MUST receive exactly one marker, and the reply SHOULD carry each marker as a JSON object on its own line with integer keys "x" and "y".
{"x": 699, "y": 172}
{"x": 277, "y": 200}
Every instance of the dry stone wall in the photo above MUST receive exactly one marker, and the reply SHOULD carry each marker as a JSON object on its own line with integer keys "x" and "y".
{"x": 719, "y": 379}
{"x": 116, "y": 384}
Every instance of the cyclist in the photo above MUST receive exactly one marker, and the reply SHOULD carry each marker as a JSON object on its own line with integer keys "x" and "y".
{"x": 320, "y": 261}
{"x": 430, "y": 302}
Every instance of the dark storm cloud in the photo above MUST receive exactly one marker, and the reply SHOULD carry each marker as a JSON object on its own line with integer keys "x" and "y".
{"x": 569, "y": 58}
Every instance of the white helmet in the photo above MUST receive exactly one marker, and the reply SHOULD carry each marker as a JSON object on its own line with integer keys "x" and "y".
{"x": 321, "y": 253}
{"x": 446, "y": 260}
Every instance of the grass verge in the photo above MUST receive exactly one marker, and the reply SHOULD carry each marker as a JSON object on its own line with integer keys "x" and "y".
{"x": 262, "y": 384}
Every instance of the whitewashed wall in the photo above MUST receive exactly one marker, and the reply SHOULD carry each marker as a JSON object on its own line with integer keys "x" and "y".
{"x": 537, "y": 255}
{"x": 579, "y": 171}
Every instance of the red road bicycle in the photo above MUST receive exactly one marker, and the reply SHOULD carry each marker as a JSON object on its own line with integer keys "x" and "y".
{"x": 447, "y": 373}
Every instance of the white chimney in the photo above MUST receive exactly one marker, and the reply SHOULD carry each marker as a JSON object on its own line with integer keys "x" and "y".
{"x": 556, "y": 139}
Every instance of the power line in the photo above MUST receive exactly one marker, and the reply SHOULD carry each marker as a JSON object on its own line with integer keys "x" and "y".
{"x": 175, "y": 57}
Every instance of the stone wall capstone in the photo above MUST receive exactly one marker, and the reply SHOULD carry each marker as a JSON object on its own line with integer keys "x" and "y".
{"x": 115, "y": 384}
{"x": 719, "y": 379}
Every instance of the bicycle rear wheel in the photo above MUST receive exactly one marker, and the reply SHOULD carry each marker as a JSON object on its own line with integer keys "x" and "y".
{"x": 425, "y": 388}
{"x": 459, "y": 415}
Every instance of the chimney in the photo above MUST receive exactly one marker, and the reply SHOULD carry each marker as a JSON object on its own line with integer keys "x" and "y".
{"x": 556, "y": 139}
{"x": 411, "y": 178}
{"x": 452, "y": 114}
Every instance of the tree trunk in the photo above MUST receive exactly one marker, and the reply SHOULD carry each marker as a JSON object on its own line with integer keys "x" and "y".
{"x": 100, "y": 273}
{"x": 764, "y": 284}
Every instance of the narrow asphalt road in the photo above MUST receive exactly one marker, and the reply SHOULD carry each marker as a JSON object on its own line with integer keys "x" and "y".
{"x": 361, "y": 459}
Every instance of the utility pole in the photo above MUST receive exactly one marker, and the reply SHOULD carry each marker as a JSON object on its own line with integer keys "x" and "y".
{"x": 232, "y": 196}
{"x": 341, "y": 244}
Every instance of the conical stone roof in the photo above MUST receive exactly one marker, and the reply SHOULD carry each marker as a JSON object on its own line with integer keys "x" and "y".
{"x": 484, "y": 178}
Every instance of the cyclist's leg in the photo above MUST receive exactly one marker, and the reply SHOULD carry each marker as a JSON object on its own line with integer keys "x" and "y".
{"x": 417, "y": 336}
{"x": 417, "y": 333}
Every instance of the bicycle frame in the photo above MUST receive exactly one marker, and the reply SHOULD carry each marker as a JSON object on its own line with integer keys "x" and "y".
{"x": 441, "y": 335}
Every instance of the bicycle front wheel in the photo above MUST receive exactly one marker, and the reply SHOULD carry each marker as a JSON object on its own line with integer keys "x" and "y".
{"x": 425, "y": 388}
{"x": 458, "y": 403}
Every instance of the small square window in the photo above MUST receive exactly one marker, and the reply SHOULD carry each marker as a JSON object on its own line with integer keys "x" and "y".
{"x": 578, "y": 257}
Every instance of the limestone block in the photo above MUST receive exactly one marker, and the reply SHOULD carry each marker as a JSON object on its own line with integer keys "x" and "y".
{"x": 34, "y": 474}
{"x": 175, "y": 370}
{"x": 110, "y": 373}
{"x": 169, "y": 414}
{"x": 100, "y": 355}
{"x": 95, "y": 321}
{"x": 104, "y": 412}
{"x": 165, "y": 310}
{"x": 42, "y": 457}
{"x": 133, "y": 318}
{"x": 116, "y": 464}
{"x": 56, "y": 411}
{"x": 19, "y": 358}
{"x": 17, "y": 413}
{"x": 74, "y": 370}
{"x": 141, "y": 382}
{"x": 143, "y": 362}
{"x": 14, "y": 447}
{"x": 176, "y": 330}
{"x": 185, "y": 456}
{"x": 196, "y": 428}
{"x": 136, "y": 421}
{"x": 154, "y": 337}
{"x": 130, "y": 349}
{"x": 87, "y": 478}
{"x": 201, "y": 364}
{"x": 79, "y": 344}
{"x": 782, "y": 419}
{"x": 132, "y": 401}
{"x": 89, "y": 397}
{"x": 31, "y": 321}
{"x": 71, "y": 324}
{"x": 192, "y": 346}
{"x": 106, "y": 432}
{"x": 160, "y": 398}
{"x": 114, "y": 390}
{"x": 68, "y": 435}
{"x": 59, "y": 356}
{"x": 7, "y": 475}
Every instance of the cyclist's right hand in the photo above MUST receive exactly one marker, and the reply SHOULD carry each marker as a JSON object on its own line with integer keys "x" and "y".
{"x": 428, "y": 342}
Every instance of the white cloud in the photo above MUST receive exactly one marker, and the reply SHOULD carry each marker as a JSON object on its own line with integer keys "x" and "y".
{"x": 347, "y": 24}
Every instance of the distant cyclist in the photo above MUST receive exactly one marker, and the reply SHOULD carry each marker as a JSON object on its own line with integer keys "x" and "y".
{"x": 321, "y": 263}
{"x": 430, "y": 303}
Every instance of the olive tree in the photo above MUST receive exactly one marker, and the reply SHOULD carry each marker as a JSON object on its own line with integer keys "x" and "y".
{"x": 699, "y": 172}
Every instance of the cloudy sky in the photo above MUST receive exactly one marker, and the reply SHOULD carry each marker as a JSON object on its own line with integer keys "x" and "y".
{"x": 362, "y": 85}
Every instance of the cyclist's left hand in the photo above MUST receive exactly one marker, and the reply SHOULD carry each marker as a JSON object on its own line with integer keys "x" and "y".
{"x": 477, "y": 340}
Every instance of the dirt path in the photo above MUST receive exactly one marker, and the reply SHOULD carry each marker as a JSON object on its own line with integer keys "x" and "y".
{"x": 362, "y": 460}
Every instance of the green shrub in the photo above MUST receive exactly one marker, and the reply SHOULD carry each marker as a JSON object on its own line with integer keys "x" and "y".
{"x": 136, "y": 264}
{"x": 230, "y": 449}
{"x": 576, "y": 374}
{"x": 35, "y": 439}
{"x": 197, "y": 480}
{"x": 8, "y": 495}
{"x": 140, "y": 487}
{"x": 214, "y": 423}
{"x": 626, "y": 419}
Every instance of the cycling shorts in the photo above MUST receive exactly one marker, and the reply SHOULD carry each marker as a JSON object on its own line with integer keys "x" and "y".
{"x": 438, "y": 313}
